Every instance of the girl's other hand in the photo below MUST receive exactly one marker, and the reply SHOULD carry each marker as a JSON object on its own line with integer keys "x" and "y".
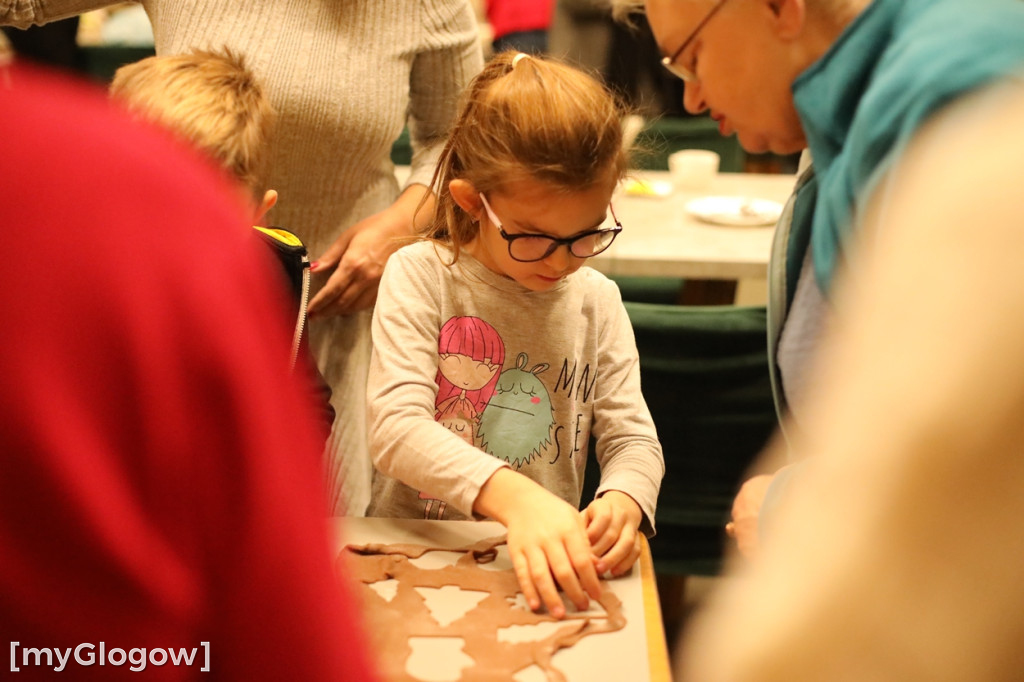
{"x": 612, "y": 523}
{"x": 547, "y": 541}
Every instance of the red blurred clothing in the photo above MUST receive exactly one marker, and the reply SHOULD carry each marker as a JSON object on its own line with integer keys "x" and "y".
{"x": 161, "y": 468}
{"x": 511, "y": 16}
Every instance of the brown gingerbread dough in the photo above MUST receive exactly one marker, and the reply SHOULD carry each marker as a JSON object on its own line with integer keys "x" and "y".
{"x": 393, "y": 622}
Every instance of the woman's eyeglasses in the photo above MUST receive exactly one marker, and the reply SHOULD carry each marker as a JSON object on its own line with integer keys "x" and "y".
{"x": 528, "y": 248}
{"x": 685, "y": 73}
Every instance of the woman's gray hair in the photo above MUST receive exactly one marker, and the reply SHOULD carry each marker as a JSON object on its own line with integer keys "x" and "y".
{"x": 622, "y": 10}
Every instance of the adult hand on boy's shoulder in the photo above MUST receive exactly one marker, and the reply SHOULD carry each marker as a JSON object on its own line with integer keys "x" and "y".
{"x": 359, "y": 255}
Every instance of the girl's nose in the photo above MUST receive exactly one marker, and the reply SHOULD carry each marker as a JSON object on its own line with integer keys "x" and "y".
{"x": 560, "y": 258}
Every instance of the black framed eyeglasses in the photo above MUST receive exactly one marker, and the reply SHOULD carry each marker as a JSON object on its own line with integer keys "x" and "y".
{"x": 687, "y": 74}
{"x": 528, "y": 248}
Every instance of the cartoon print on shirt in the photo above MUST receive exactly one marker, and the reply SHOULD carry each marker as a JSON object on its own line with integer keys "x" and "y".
{"x": 517, "y": 423}
{"x": 470, "y": 355}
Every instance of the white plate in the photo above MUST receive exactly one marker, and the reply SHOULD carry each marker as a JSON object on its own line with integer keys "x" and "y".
{"x": 735, "y": 210}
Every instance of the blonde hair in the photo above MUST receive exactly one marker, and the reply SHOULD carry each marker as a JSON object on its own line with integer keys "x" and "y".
{"x": 212, "y": 100}
{"x": 526, "y": 118}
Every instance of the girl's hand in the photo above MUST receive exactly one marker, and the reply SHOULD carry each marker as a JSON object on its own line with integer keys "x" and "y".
{"x": 612, "y": 522}
{"x": 547, "y": 542}
{"x": 358, "y": 256}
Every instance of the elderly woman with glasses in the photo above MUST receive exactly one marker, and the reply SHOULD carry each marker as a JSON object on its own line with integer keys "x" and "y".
{"x": 856, "y": 83}
{"x": 852, "y": 81}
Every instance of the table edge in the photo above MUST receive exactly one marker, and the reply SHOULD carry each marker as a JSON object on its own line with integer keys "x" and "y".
{"x": 657, "y": 647}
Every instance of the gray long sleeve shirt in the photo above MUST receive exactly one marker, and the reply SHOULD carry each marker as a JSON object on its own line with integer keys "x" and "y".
{"x": 472, "y": 372}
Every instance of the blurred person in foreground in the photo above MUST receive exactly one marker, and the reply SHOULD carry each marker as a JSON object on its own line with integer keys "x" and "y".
{"x": 896, "y": 554}
{"x": 161, "y": 482}
{"x": 853, "y": 81}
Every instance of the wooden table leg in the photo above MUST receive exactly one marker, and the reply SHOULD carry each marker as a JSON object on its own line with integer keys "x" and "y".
{"x": 708, "y": 292}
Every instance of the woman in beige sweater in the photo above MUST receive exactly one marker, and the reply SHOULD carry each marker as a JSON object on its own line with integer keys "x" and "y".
{"x": 345, "y": 77}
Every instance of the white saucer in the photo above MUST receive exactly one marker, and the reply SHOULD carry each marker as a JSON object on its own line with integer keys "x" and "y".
{"x": 735, "y": 210}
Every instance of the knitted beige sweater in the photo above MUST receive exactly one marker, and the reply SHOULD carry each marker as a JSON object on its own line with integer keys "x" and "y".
{"x": 345, "y": 77}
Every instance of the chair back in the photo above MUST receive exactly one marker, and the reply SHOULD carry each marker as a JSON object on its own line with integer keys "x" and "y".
{"x": 704, "y": 376}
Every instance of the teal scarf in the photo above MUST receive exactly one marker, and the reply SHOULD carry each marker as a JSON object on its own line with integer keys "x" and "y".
{"x": 860, "y": 104}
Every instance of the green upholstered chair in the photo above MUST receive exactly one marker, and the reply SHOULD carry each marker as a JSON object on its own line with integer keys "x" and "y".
{"x": 663, "y": 290}
{"x": 704, "y": 375}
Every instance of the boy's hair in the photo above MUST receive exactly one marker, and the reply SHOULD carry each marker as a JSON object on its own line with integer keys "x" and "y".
{"x": 212, "y": 99}
{"x": 527, "y": 118}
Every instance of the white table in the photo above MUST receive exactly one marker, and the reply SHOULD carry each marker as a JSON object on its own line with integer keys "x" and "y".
{"x": 660, "y": 239}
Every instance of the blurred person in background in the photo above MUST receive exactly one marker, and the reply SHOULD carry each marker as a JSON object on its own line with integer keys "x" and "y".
{"x": 520, "y": 25}
{"x": 52, "y": 45}
{"x": 853, "y": 81}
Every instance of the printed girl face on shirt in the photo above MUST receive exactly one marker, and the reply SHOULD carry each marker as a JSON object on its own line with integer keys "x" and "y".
{"x": 465, "y": 372}
{"x": 533, "y": 207}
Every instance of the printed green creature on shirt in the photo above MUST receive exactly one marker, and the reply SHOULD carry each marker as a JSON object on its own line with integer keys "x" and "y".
{"x": 517, "y": 423}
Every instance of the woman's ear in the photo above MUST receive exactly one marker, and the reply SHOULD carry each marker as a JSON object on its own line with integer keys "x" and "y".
{"x": 465, "y": 195}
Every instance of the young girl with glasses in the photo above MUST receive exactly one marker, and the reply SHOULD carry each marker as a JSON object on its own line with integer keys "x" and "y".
{"x": 497, "y": 354}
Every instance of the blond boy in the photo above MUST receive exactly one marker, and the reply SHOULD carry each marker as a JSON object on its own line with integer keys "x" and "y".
{"x": 213, "y": 101}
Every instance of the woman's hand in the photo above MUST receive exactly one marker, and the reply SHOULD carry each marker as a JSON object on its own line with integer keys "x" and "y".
{"x": 612, "y": 522}
{"x": 358, "y": 256}
{"x": 547, "y": 541}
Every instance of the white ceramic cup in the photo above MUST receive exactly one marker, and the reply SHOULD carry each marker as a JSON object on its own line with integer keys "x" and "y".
{"x": 693, "y": 170}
